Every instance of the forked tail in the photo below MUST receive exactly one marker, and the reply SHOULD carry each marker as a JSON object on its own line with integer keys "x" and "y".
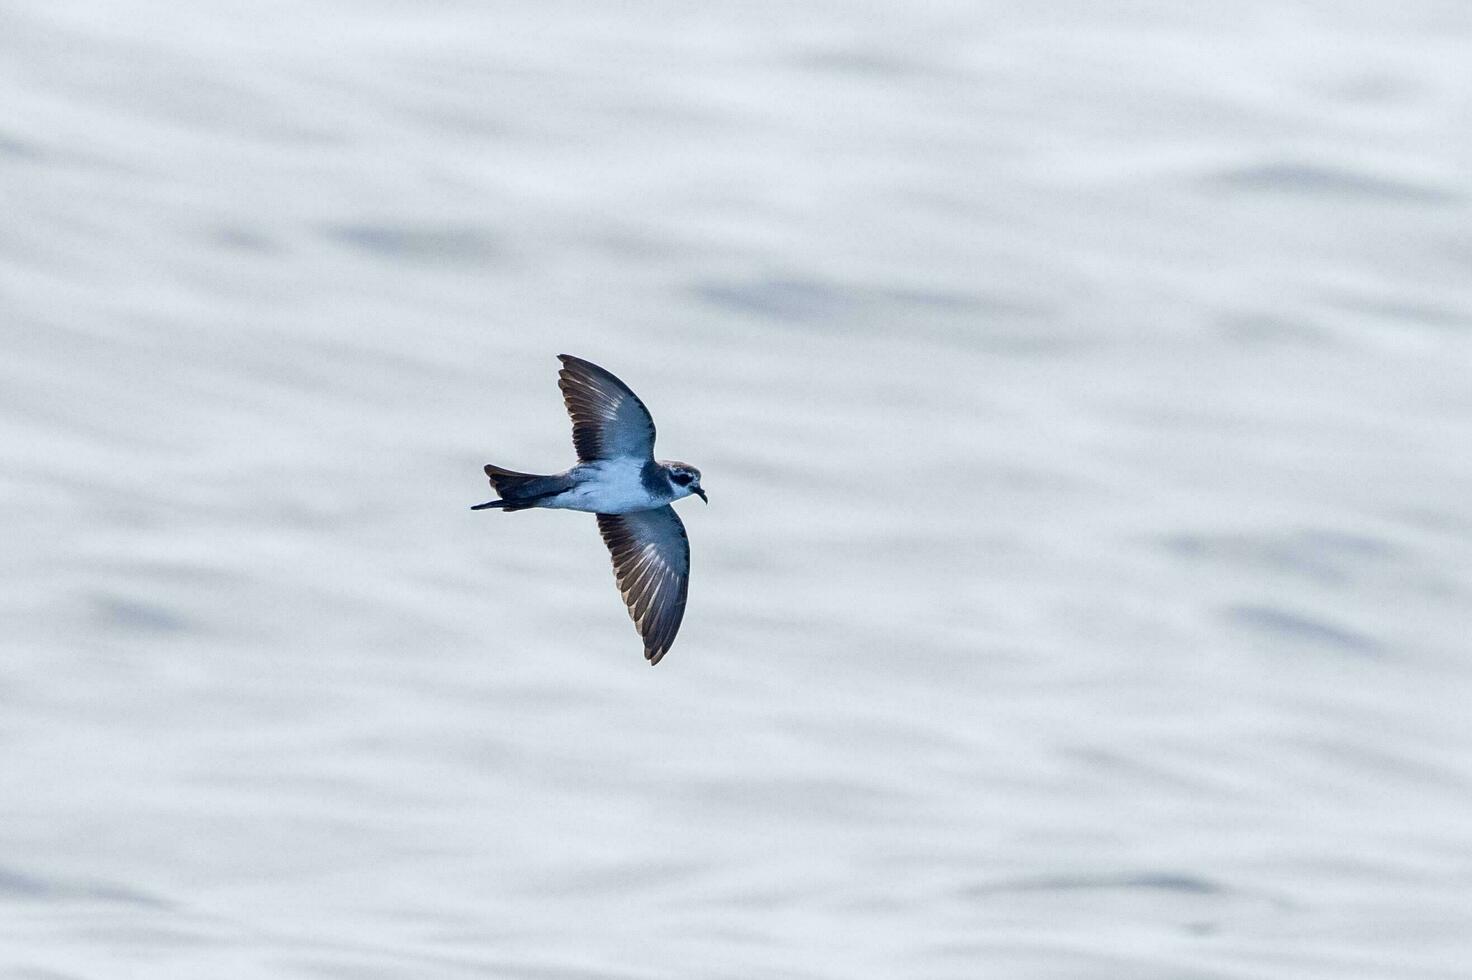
{"x": 518, "y": 491}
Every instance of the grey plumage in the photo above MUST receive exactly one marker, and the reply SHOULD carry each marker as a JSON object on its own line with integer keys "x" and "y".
{"x": 655, "y": 478}
{"x": 519, "y": 491}
{"x": 608, "y": 419}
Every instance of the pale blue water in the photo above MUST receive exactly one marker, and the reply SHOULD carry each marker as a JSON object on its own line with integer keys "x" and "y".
{"x": 1082, "y": 391}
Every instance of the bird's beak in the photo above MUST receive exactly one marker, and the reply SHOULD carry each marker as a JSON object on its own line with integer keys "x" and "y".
{"x": 700, "y": 493}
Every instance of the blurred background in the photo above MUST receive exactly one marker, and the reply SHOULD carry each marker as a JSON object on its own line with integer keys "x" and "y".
{"x": 1083, "y": 395}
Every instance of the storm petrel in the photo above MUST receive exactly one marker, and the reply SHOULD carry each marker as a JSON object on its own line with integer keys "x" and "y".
{"x": 618, "y": 479}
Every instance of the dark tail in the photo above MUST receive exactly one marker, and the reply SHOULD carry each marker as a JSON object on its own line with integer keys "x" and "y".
{"x": 518, "y": 491}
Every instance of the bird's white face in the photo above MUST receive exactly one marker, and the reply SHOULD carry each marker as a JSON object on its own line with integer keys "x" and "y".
{"x": 685, "y": 480}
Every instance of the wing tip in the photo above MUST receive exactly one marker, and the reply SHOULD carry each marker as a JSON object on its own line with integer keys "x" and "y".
{"x": 571, "y": 376}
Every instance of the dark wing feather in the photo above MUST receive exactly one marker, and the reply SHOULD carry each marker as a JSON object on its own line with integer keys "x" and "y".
{"x": 607, "y": 418}
{"x": 651, "y": 560}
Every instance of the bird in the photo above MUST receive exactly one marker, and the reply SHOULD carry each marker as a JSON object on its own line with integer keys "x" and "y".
{"x": 618, "y": 479}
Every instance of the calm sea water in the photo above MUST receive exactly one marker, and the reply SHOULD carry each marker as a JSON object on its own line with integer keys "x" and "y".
{"x": 1084, "y": 393}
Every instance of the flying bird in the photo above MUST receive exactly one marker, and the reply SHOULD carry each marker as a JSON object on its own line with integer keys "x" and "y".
{"x": 618, "y": 479}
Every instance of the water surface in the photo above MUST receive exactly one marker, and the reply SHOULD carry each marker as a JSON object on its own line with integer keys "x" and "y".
{"x": 1083, "y": 396}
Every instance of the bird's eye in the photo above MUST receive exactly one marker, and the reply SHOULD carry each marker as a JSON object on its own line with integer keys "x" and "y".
{"x": 683, "y": 479}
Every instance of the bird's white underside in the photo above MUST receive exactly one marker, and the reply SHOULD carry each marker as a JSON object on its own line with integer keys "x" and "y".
{"x": 608, "y": 486}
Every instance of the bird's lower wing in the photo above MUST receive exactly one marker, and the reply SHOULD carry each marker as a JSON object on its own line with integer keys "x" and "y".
{"x": 651, "y": 560}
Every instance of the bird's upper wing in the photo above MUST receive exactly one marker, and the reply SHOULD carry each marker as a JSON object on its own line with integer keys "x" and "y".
{"x": 607, "y": 418}
{"x": 651, "y": 560}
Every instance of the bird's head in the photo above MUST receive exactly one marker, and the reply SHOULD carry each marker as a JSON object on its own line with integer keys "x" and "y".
{"x": 684, "y": 480}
